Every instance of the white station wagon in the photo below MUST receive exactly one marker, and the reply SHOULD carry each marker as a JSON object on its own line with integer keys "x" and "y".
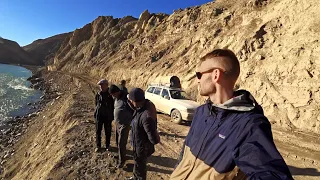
{"x": 172, "y": 101}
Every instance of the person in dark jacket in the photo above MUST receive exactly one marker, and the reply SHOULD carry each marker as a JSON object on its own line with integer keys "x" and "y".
{"x": 122, "y": 116}
{"x": 123, "y": 86}
{"x": 144, "y": 133}
{"x": 103, "y": 114}
{"x": 229, "y": 138}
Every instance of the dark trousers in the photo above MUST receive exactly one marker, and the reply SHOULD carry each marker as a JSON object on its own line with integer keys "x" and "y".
{"x": 122, "y": 134}
{"x": 103, "y": 122}
{"x": 140, "y": 168}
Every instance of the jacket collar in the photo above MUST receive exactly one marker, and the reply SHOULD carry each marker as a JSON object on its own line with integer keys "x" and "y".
{"x": 242, "y": 101}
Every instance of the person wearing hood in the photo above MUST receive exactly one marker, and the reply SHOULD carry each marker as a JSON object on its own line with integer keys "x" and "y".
{"x": 103, "y": 114}
{"x": 229, "y": 138}
{"x": 122, "y": 116}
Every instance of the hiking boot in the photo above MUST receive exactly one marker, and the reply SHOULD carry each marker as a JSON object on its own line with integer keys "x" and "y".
{"x": 98, "y": 149}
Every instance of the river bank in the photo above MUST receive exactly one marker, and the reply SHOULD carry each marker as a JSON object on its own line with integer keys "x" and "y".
{"x": 12, "y": 129}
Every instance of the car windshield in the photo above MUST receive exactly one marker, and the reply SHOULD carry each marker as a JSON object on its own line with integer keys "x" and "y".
{"x": 177, "y": 94}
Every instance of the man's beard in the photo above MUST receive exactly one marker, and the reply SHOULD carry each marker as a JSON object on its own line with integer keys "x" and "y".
{"x": 207, "y": 91}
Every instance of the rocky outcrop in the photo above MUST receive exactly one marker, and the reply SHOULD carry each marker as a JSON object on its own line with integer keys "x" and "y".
{"x": 12, "y": 53}
{"x": 277, "y": 43}
{"x": 43, "y": 50}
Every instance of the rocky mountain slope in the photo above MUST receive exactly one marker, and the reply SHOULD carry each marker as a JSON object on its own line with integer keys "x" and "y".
{"x": 276, "y": 41}
{"x": 39, "y": 52}
{"x": 43, "y": 50}
{"x": 12, "y": 53}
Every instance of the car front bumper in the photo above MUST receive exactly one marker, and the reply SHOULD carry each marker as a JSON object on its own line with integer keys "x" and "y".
{"x": 187, "y": 116}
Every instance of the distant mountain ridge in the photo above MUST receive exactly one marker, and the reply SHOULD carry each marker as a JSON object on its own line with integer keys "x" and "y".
{"x": 39, "y": 52}
{"x": 43, "y": 50}
{"x": 12, "y": 53}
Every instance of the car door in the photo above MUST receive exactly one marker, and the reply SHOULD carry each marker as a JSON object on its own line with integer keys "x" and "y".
{"x": 156, "y": 97}
{"x": 164, "y": 103}
{"x": 149, "y": 93}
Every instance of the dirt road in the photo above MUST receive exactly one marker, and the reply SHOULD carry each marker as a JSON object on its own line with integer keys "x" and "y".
{"x": 61, "y": 142}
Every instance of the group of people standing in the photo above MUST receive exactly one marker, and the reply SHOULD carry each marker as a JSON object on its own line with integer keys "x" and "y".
{"x": 229, "y": 138}
{"x": 130, "y": 111}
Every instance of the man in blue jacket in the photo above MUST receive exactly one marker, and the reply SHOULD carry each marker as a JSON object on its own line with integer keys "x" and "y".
{"x": 229, "y": 138}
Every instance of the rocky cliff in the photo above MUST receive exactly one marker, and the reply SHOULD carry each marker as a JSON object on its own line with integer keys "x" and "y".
{"x": 277, "y": 43}
{"x": 12, "y": 53}
{"x": 39, "y": 52}
{"x": 43, "y": 50}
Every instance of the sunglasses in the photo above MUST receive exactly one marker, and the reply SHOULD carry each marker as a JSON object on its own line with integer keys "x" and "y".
{"x": 199, "y": 74}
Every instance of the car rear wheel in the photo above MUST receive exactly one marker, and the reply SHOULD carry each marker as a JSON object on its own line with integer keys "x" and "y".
{"x": 176, "y": 116}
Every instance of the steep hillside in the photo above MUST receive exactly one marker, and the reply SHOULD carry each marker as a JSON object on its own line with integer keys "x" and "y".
{"x": 43, "y": 50}
{"x": 276, "y": 41}
{"x": 12, "y": 53}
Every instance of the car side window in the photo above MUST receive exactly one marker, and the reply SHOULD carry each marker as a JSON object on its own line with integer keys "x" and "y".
{"x": 150, "y": 90}
{"x": 157, "y": 91}
{"x": 164, "y": 93}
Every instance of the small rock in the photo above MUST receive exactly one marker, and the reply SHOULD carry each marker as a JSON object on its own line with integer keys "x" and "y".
{"x": 260, "y": 57}
{"x": 3, "y": 162}
{"x": 6, "y": 155}
{"x": 59, "y": 93}
{"x": 7, "y": 132}
{"x": 32, "y": 115}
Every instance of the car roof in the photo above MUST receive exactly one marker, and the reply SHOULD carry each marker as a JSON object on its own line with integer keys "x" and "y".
{"x": 166, "y": 87}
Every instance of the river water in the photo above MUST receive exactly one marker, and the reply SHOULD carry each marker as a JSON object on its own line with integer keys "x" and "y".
{"x": 15, "y": 92}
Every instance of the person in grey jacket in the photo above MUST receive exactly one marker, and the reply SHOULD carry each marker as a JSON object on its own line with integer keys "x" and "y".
{"x": 123, "y": 116}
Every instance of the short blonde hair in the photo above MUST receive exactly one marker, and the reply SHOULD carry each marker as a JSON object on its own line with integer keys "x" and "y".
{"x": 229, "y": 59}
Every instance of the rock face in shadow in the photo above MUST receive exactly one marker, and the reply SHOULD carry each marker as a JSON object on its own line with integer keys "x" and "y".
{"x": 43, "y": 50}
{"x": 277, "y": 44}
{"x": 39, "y": 52}
{"x": 12, "y": 53}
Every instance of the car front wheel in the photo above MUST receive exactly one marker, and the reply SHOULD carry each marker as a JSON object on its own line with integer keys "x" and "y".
{"x": 176, "y": 116}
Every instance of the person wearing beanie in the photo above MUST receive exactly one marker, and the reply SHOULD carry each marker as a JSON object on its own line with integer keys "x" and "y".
{"x": 144, "y": 133}
{"x": 122, "y": 116}
{"x": 103, "y": 114}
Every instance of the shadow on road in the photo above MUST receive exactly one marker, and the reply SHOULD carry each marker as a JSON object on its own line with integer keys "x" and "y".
{"x": 171, "y": 135}
{"x": 156, "y": 160}
{"x": 167, "y": 117}
{"x": 304, "y": 171}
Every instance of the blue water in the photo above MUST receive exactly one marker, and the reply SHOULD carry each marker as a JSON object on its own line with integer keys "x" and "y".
{"x": 15, "y": 93}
